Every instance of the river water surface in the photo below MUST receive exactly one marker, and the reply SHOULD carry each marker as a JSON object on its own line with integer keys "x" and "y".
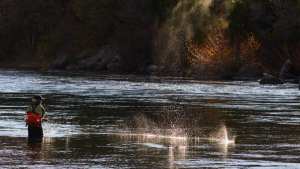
{"x": 146, "y": 123}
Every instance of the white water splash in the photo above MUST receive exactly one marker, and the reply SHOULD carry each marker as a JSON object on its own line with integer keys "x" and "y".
{"x": 223, "y": 137}
{"x": 59, "y": 130}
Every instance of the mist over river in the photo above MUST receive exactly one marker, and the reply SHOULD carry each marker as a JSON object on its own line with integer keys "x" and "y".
{"x": 133, "y": 122}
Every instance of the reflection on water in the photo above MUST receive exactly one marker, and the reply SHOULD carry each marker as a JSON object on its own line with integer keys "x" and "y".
{"x": 134, "y": 122}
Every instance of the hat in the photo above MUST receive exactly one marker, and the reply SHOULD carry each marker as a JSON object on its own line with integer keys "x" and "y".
{"x": 38, "y": 97}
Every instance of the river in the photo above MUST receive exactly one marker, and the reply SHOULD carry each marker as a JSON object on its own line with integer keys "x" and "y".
{"x": 133, "y": 122}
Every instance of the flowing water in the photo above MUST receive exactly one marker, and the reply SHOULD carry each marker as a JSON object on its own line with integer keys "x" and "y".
{"x": 146, "y": 123}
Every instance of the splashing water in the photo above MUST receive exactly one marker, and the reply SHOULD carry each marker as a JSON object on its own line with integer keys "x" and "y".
{"x": 52, "y": 130}
{"x": 222, "y": 137}
{"x": 172, "y": 140}
{"x": 176, "y": 143}
{"x": 173, "y": 133}
{"x": 226, "y": 139}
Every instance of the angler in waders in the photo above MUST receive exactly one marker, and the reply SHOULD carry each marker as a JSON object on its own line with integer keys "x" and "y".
{"x": 35, "y": 114}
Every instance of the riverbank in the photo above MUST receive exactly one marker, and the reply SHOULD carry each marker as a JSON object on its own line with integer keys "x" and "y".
{"x": 202, "y": 39}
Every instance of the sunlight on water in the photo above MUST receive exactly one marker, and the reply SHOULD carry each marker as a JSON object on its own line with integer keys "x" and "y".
{"x": 222, "y": 136}
{"x": 179, "y": 143}
{"x": 58, "y": 130}
{"x": 170, "y": 141}
{"x": 175, "y": 137}
{"x": 176, "y": 145}
{"x": 149, "y": 136}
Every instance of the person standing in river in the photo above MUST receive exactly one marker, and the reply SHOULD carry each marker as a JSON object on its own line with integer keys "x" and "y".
{"x": 35, "y": 114}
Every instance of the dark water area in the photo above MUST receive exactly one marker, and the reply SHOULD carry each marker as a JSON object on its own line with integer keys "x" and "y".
{"x": 144, "y": 123}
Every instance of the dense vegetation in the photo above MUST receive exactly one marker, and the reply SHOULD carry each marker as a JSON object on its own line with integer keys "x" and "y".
{"x": 203, "y": 38}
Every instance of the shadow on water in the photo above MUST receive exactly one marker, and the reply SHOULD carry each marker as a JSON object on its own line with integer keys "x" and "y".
{"x": 132, "y": 122}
